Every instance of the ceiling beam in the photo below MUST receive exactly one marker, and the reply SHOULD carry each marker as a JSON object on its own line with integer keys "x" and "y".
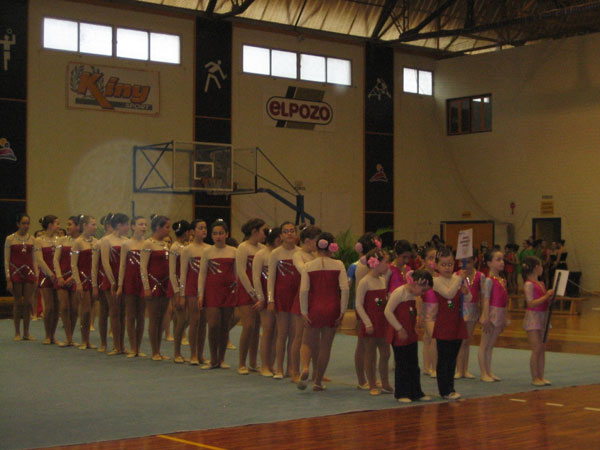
{"x": 554, "y": 13}
{"x": 383, "y": 17}
{"x": 210, "y": 8}
{"x": 434, "y": 15}
{"x": 237, "y": 9}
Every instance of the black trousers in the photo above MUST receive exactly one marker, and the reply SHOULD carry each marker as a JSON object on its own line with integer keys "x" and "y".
{"x": 446, "y": 365}
{"x": 407, "y": 374}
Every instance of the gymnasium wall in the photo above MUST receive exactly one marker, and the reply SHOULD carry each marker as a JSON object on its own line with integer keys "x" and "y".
{"x": 545, "y": 138}
{"x": 81, "y": 160}
{"x": 328, "y": 163}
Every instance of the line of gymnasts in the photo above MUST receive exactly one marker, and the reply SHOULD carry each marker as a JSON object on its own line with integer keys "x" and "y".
{"x": 285, "y": 283}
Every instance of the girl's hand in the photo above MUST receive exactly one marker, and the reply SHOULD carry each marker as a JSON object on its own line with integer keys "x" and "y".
{"x": 339, "y": 320}
{"x": 69, "y": 281}
{"x": 113, "y": 289}
{"x": 60, "y": 282}
{"x": 419, "y": 324}
{"x": 307, "y": 321}
{"x": 95, "y": 292}
{"x": 200, "y": 303}
{"x": 464, "y": 289}
{"x": 147, "y": 293}
{"x": 550, "y": 293}
{"x": 9, "y": 285}
{"x": 462, "y": 273}
{"x": 271, "y": 306}
{"x": 79, "y": 291}
{"x": 259, "y": 305}
{"x": 119, "y": 292}
{"x": 179, "y": 302}
{"x": 370, "y": 330}
{"x": 402, "y": 335}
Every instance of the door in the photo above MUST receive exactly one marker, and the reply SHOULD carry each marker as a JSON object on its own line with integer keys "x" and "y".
{"x": 483, "y": 231}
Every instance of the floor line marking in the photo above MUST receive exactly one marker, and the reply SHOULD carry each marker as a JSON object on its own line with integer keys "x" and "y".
{"x": 520, "y": 400}
{"x": 587, "y": 408}
{"x": 554, "y": 404}
{"x": 183, "y": 441}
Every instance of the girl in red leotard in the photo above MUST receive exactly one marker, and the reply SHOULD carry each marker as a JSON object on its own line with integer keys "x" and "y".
{"x": 44, "y": 254}
{"x": 20, "y": 272}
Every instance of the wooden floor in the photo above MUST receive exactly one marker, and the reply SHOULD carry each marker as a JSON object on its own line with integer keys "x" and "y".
{"x": 544, "y": 419}
{"x": 551, "y": 419}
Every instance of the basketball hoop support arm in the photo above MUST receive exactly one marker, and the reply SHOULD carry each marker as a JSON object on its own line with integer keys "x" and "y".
{"x": 298, "y": 207}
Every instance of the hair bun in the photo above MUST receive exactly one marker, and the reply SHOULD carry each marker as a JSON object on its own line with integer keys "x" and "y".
{"x": 153, "y": 216}
{"x": 41, "y": 221}
{"x": 322, "y": 244}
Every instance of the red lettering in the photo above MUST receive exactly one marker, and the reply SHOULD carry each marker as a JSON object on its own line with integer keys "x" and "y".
{"x": 293, "y": 109}
{"x": 87, "y": 82}
{"x": 325, "y": 114}
{"x": 274, "y": 107}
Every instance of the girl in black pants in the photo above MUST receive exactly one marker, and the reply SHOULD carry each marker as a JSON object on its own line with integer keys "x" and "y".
{"x": 401, "y": 314}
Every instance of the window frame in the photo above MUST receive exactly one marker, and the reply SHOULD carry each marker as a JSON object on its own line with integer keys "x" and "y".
{"x": 470, "y": 99}
{"x": 298, "y": 65}
{"x": 114, "y": 41}
{"x": 418, "y": 75}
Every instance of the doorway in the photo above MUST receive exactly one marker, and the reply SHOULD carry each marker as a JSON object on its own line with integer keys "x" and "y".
{"x": 548, "y": 229}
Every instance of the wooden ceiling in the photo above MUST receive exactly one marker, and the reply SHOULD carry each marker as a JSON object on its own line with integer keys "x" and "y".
{"x": 443, "y": 28}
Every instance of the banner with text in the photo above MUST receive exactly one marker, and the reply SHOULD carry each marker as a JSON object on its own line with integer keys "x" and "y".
{"x": 104, "y": 88}
{"x": 299, "y": 108}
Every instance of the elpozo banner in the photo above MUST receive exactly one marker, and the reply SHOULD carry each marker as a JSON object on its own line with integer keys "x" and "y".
{"x": 104, "y": 88}
{"x": 299, "y": 108}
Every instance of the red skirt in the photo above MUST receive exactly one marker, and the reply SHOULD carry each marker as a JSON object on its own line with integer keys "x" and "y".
{"x": 324, "y": 298}
{"x": 220, "y": 284}
{"x": 21, "y": 264}
{"x": 375, "y": 313}
{"x": 132, "y": 281}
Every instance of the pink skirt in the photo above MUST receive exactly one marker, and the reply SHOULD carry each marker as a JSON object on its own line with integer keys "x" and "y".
{"x": 535, "y": 320}
{"x": 470, "y": 312}
{"x": 498, "y": 316}
{"x": 430, "y": 311}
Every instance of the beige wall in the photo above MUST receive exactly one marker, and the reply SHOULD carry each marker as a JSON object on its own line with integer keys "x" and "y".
{"x": 81, "y": 161}
{"x": 546, "y": 111}
{"x": 328, "y": 163}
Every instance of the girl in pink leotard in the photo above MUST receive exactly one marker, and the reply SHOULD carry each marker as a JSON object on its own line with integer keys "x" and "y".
{"x": 475, "y": 281}
{"x": 493, "y": 315}
{"x": 538, "y": 301}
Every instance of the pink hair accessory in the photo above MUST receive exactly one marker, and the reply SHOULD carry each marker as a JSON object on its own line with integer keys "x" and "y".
{"x": 358, "y": 247}
{"x": 373, "y": 262}
{"x": 322, "y": 244}
{"x": 409, "y": 278}
{"x": 333, "y": 247}
{"x": 377, "y": 243}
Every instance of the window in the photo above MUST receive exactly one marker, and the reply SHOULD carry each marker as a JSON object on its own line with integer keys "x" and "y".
{"x": 107, "y": 40}
{"x": 469, "y": 114}
{"x": 60, "y": 34}
{"x": 312, "y": 68}
{"x": 285, "y": 64}
{"x": 95, "y": 39}
{"x": 417, "y": 81}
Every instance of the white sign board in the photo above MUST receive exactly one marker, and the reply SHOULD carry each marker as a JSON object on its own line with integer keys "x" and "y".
{"x": 561, "y": 287}
{"x": 464, "y": 247}
{"x": 104, "y": 88}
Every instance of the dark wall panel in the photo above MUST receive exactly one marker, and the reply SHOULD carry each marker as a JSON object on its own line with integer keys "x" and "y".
{"x": 8, "y": 225}
{"x": 379, "y": 170}
{"x": 13, "y": 59}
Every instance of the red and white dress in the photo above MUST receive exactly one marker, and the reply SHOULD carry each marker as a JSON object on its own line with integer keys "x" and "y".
{"x": 299, "y": 259}
{"x": 244, "y": 256}
{"x": 449, "y": 324}
{"x": 156, "y": 271}
{"x": 323, "y": 291}
{"x": 18, "y": 259}
{"x": 217, "y": 279}
{"x": 46, "y": 275}
{"x": 401, "y": 313}
{"x": 371, "y": 300}
{"x": 284, "y": 279}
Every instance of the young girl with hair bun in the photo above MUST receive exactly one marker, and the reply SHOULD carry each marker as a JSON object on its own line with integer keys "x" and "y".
{"x": 20, "y": 271}
{"x": 81, "y": 268}
{"x": 283, "y": 284}
{"x": 154, "y": 270}
{"x": 401, "y": 315}
{"x": 247, "y": 301}
{"x": 323, "y": 302}
{"x": 260, "y": 275}
{"x": 536, "y": 315}
{"x": 44, "y": 254}
{"x": 493, "y": 314}
{"x": 191, "y": 257}
{"x": 306, "y": 253}
{"x": 130, "y": 288}
{"x": 475, "y": 283}
{"x": 110, "y": 259}
{"x": 365, "y": 244}
{"x": 429, "y": 312}
{"x": 449, "y": 328}
{"x": 176, "y": 307}
{"x": 216, "y": 292}
{"x": 371, "y": 300}
{"x": 65, "y": 284}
